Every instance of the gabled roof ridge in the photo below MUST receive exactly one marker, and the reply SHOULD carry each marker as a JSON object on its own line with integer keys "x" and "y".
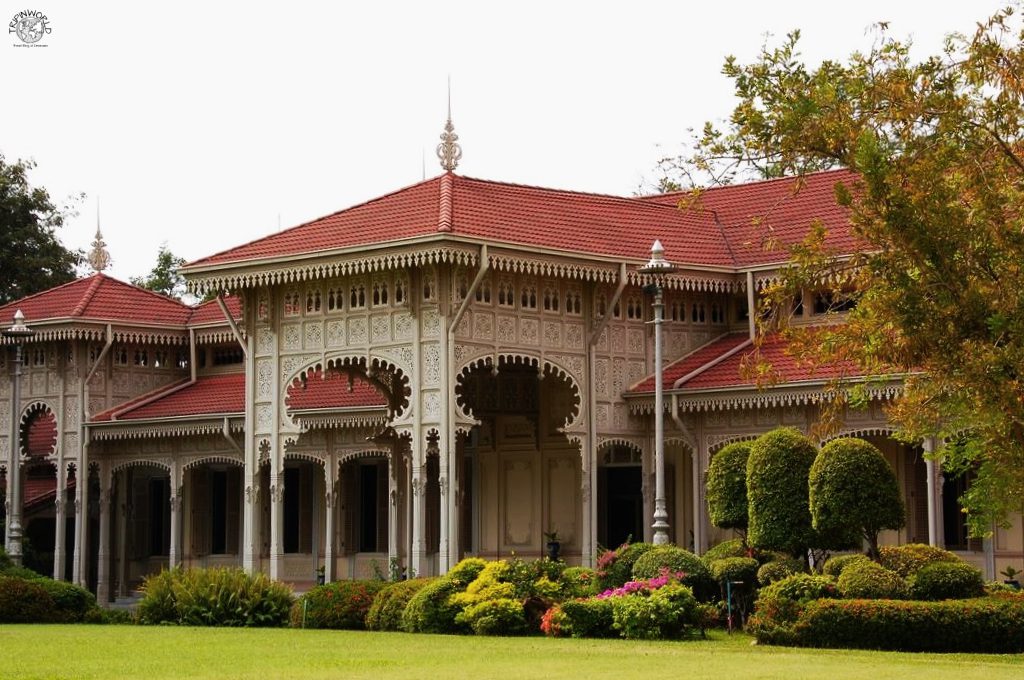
{"x": 754, "y": 183}
{"x": 382, "y": 197}
{"x": 139, "y": 400}
{"x": 151, "y": 293}
{"x": 90, "y": 293}
{"x": 48, "y": 291}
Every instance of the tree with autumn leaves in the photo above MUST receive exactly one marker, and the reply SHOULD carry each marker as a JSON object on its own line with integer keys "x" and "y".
{"x": 938, "y": 148}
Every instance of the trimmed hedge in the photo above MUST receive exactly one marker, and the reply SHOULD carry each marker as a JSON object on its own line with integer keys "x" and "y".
{"x": 71, "y": 603}
{"x": 214, "y": 597}
{"x": 771, "y": 572}
{"x": 905, "y": 560}
{"x": 676, "y": 559}
{"x": 429, "y": 610}
{"x": 731, "y": 548}
{"x": 990, "y": 624}
{"x": 801, "y": 588}
{"x": 25, "y": 601}
{"x": 834, "y": 566}
{"x": 341, "y": 605}
{"x": 727, "y": 487}
{"x": 386, "y": 611}
{"x": 590, "y": 618}
{"x": 777, "y": 491}
{"x": 947, "y": 581}
{"x": 871, "y": 581}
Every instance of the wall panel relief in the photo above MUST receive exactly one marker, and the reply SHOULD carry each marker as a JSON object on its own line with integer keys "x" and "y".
{"x": 483, "y": 326}
{"x": 314, "y": 335}
{"x": 264, "y": 341}
{"x": 357, "y": 330}
{"x": 380, "y": 328}
{"x": 292, "y": 336}
{"x": 506, "y": 330}
{"x": 528, "y": 331}
{"x": 430, "y": 321}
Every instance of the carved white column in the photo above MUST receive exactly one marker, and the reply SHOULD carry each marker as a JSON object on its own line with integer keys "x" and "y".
{"x": 250, "y": 518}
{"x": 276, "y": 521}
{"x": 103, "y": 554}
{"x": 586, "y": 544}
{"x": 418, "y": 496}
{"x": 445, "y": 502}
{"x": 59, "y": 531}
{"x": 933, "y": 472}
{"x": 393, "y": 461}
{"x": 78, "y": 575}
{"x": 123, "y": 507}
{"x": 330, "y": 509}
{"x": 174, "y": 551}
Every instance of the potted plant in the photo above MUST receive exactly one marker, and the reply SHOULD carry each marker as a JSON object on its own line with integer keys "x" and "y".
{"x": 320, "y": 575}
{"x": 554, "y": 544}
{"x": 1011, "y": 576}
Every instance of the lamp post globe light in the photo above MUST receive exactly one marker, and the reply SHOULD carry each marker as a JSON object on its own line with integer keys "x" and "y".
{"x": 18, "y": 333}
{"x": 657, "y": 268}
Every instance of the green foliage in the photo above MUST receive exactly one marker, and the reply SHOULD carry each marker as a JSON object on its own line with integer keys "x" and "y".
{"x": 770, "y": 572}
{"x": 869, "y": 580}
{"x": 33, "y": 258}
{"x": 430, "y": 609}
{"x": 947, "y": 581}
{"x": 214, "y": 597}
{"x": 463, "y": 573}
{"x": 834, "y": 565}
{"x": 779, "y": 606}
{"x": 801, "y": 588}
{"x": 777, "y": 490}
{"x": 615, "y": 567}
{"x": 25, "y": 601}
{"x": 9, "y": 568}
{"x": 727, "y": 487}
{"x": 578, "y": 582}
{"x": 989, "y": 625}
{"x": 71, "y": 603}
{"x": 341, "y": 605}
{"x": 730, "y": 548}
{"x": 907, "y": 559}
{"x": 164, "y": 278}
{"x": 676, "y": 560}
{"x": 854, "y": 494}
{"x": 108, "y": 617}
{"x": 664, "y": 614}
{"x": 589, "y": 618}
{"x": 388, "y": 605}
{"x": 735, "y": 569}
{"x": 496, "y": 616}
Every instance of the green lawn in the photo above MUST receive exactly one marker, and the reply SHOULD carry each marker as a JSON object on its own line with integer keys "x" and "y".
{"x": 151, "y": 653}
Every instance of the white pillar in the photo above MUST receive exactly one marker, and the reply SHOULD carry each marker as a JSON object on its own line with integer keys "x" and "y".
{"x": 59, "y": 533}
{"x": 586, "y": 546}
{"x": 276, "y": 521}
{"x": 123, "y": 504}
{"x": 930, "y": 472}
{"x": 697, "y": 482}
{"x": 330, "y": 509}
{"x": 103, "y": 554}
{"x": 174, "y": 551}
{"x": 250, "y": 517}
{"x": 660, "y": 524}
{"x": 78, "y": 570}
{"x": 418, "y": 496}
{"x": 393, "y": 461}
{"x": 444, "y": 503}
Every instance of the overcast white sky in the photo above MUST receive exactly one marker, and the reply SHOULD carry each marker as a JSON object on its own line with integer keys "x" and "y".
{"x": 199, "y": 124}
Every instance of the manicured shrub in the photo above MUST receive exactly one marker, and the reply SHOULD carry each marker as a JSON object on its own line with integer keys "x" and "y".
{"x": 341, "y": 605}
{"x": 498, "y": 616}
{"x": 727, "y": 487}
{"x": 834, "y": 565}
{"x": 871, "y": 581}
{"x": 779, "y": 606}
{"x": 990, "y": 624}
{"x": 388, "y": 605}
{"x": 25, "y": 601}
{"x": 731, "y": 548}
{"x": 215, "y": 597}
{"x": 578, "y": 582}
{"x": 676, "y": 560}
{"x": 71, "y": 603}
{"x": 801, "y": 588}
{"x": 853, "y": 495}
{"x": 947, "y": 581}
{"x": 589, "y": 618}
{"x": 430, "y": 609}
{"x": 466, "y": 571}
{"x": 615, "y": 567}
{"x": 777, "y": 491}
{"x": 770, "y": 572}
{"x": 665, "y": 613}
{"x": 905, "y": 560}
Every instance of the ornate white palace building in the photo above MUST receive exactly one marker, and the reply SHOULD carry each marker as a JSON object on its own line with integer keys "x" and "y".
{"x": 456, "y": 368}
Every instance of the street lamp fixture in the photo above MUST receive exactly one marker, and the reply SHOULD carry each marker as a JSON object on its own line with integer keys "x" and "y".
{"x": 657, "y": 268}
{"x": 19, "y": 333}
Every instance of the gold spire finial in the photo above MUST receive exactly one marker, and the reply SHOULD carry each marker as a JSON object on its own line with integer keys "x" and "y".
{"x": 99, "y": 258}
{"x": 449, "y": 151}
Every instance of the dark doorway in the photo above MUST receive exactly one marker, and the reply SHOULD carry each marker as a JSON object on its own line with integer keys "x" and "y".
{"x": 624, "y": 505}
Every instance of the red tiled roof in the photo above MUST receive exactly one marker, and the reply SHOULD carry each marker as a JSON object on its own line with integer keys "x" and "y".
{"x": 212, "y": 395}
{"x": 512, "y": 213}
{"x": 777, "y": 212}
{"x": 332, "y": 392}
{"x": 102, "y": 298}
{"x": 691, "y": 362}
{"x": 210, "y": 312}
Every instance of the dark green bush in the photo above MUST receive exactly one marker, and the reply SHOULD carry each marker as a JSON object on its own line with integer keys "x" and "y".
{"x": 731, "y": 548}
{"x": 214, "y": 597}
{"x": 947, "y": 581}
{"x": 869, "y": 580}
{"x": 578, "y": 582}
{"x": 589, "y": 618}
{"x": 834, "y": 565}
{"x": 341, "y": 605}
{"x": 388, "y": 605}
{"x": 853, "y": 495}
{"x": 990, "y": 624}
{"x": 25, "y": 601}
{"x": 430, "y": 611}
{"x": 801, "y": 588}
{"x": 779, "y": 606}
{"x": 777, "y": 491}
{"x": 71, "y": 602}
{"x": 615, "y": 567}
{"x": 113, "y": 617}
{"x": 905, "y": 560}
{"x": 676, "y": 559}
{"x": 727, "y": 487}
{"x": 770, "y": 572}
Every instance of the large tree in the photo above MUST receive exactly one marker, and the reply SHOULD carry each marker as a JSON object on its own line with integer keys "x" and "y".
{"x": 31, "y": 257}
{"x": 164, "y": 277}
{"x": 938, "y": 147}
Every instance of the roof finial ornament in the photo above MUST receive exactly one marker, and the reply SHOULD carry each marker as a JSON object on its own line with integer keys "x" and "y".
{"x": 449, "y": 150}
{"x": 99, "y": 258}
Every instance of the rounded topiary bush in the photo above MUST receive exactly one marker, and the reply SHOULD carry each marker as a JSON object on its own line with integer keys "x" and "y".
{"x": 737, "y": 570}
{"x": 905, "y": 560}
{"x": 727, "y": 487}
{"x": 499, "y": 616}
{"x": 466, "y": 571}
{"x": 388, "y": 605}
{"x": 25, "y": 601}
{"x": 731, "y": 548}
{"x": 871, "y": 581}
{"x": 947, "y": 581}
{"x": 834, "y": 565}
{"x": 430, "y": 609}
{"x": 615, "y": 567}
{"x": 801, "y": 588}
{"x": 341, "y": 605}
{"x": 695, "y": 573}
{"x": 770, "y": 572}
{"x": 71, "y": 603}
{"x": 777, "y": 491}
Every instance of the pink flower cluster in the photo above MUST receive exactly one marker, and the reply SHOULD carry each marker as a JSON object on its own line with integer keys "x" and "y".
{"x": 643, "y": 586}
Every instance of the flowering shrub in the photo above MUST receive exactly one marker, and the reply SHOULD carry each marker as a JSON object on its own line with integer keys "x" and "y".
{"x": 552, "y": 622}
{"x": 675, "y": 559}
{"x": 664, "y": 614}
{"x": 615, "y": 567}
{"x": 578, "y": 582}
{"x": 341, "y": 605}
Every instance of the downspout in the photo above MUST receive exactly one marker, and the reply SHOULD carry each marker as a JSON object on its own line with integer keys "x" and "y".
{"x": 226, "y": 431}
{"x": 231, "y": 323}
{"x": 751, "y": 325}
